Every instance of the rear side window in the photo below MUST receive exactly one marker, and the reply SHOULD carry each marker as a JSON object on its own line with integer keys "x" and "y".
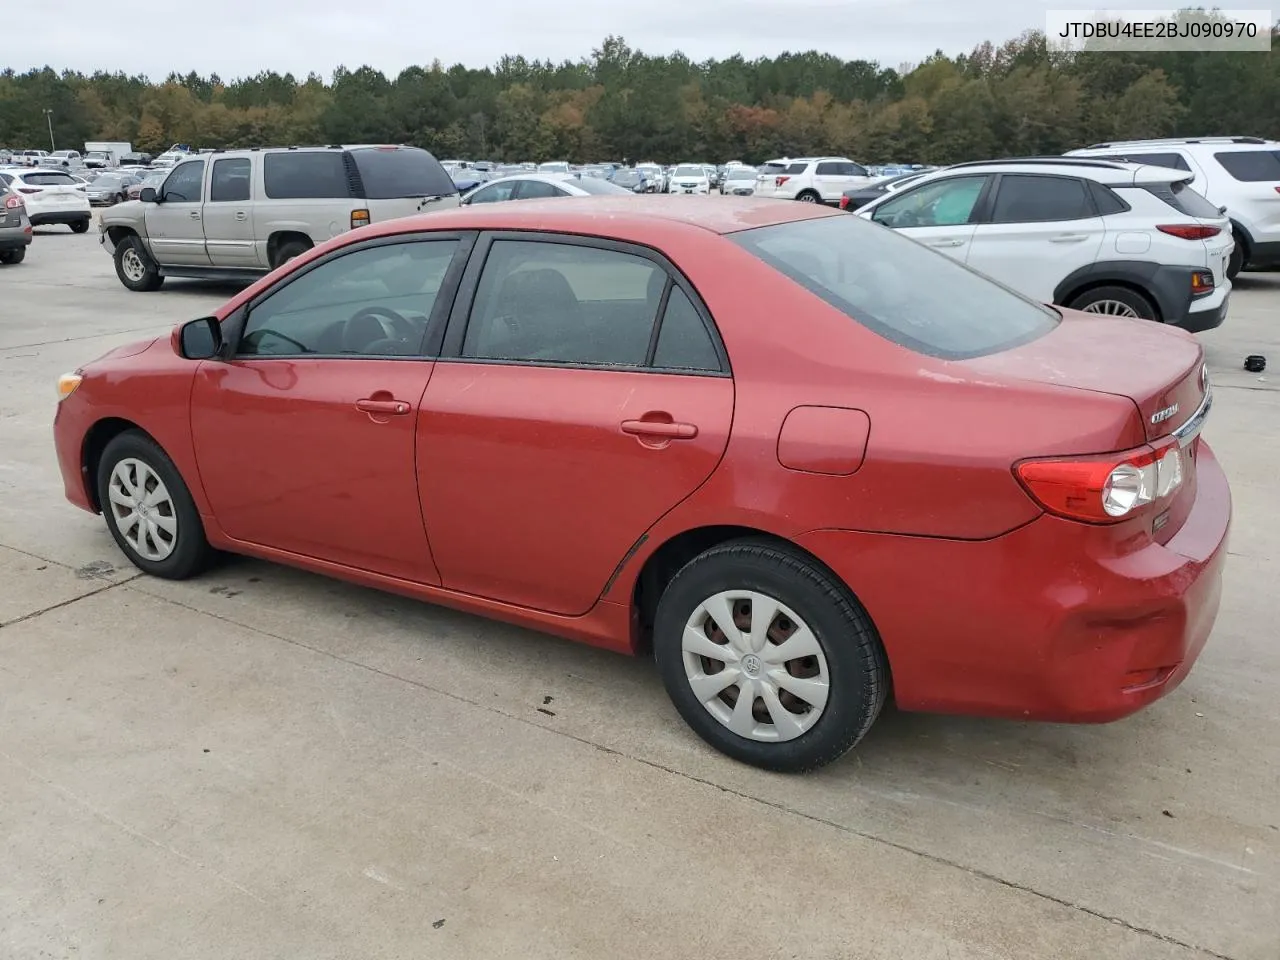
{"x": 1105, "y": 199}
{"x": 1021, "y": 198}
{"x": 773, "y": 168}
{"x": 230, "y": 180}
{"x": 1175, "y": 161}
{"x": 683, "y": 340}
{"x": 1251, "y": 166}
{"x": 899, "y": 289}
{"x": 1183, "y": 198}
{"x": 305, "y": 176}
{"x": 829, "y": 169}
{"x": 399, "y": 172}
{"x": 797, "y": 168}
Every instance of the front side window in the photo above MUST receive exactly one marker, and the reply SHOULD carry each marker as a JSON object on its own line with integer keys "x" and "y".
{"x": 230, "y": 180}
{"x": 899, "y": 289}
{"x": 1024, "y": 198}
{"x": 371, "y": 302}
{"x": 185, "y": 183}
{"x": 539, "y": 301}
{"x": 942, "y": 203}
{"x": 494, "y": 193}
{"x": 829, "y": 168}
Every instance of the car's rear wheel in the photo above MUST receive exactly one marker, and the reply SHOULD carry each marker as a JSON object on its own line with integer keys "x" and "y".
{"x": 149, "y": 509}
{"x": 808, "y": 196}
{"x": 80, "y": 226}
{"x": 13, "y": 256}
{"x": 1236, "y": 263}
{"x": 1115, "y": 302}
{"x": 768, "y": 657}
{"x": 289, "y": 250}
{"x": 135, "y": 268}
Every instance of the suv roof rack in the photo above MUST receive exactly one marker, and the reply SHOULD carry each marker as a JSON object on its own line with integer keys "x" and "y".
{"x": 1096, "y": 163}
{"x": 1172, "y": 140}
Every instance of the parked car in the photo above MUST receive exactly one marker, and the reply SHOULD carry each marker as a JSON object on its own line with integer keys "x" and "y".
{"x": 860, "y": 196}
{"x": 15, "y": 226}
{"x": 98, "y": 160}
{"x": 238, "y": 214}
{"x": 696, "y": 478}
{"x": 655, "y": 178}
{"x": 1239, "y": 173}
{"x": 150, "y": 178}
{"x": 541, "y": 186}
{"x": 135, "y": 159}
{"x": 553, "y": 166}
{"x": 632, "y": 180}
{"x": 811, "y": 179}
{"x": 51, "y": 196}
{"x": 70, "y": 157}
{"x": 689, "y": 178}
{"x": 1101, "y": 236}
{"x": 31, "y": 158}
{"x": 108, "y": 189}
{"x": 739, "y": 181}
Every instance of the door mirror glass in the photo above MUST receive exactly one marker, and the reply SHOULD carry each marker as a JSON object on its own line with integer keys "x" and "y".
{"x": 148, "y": 195}
{"x": 201, "y": 339}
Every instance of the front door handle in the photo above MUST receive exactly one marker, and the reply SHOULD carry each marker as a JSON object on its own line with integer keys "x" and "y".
{"x": 660, "y": 428}
{"x": 195, "y": 214}
{"x": 241, "y": 215}
{"x": 946, "y": 243}
{"x": 382, "y": 408}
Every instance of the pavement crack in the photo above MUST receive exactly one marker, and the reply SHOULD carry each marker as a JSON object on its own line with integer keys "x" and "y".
{"x": 66, "y": 603}
{"x": 772, "y": 804}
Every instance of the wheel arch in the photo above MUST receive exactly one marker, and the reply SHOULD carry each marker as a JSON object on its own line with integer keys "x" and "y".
{"x": 117, "y": 234}
{"x": 1137, "y": 276}
{"x": 279, "y": 238}
{"x": 95, "y": 443}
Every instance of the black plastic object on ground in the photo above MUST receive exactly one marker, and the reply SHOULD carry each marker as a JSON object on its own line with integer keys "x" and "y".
{"x": 1255, "y": 363}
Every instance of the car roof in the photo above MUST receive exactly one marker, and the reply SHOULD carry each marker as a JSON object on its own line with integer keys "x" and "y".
{"x": 623, "y": 217}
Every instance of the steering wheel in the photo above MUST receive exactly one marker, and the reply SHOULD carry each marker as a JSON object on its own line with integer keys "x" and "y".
{"x": 401, "y": 326}
{"x": 259, "y": 335}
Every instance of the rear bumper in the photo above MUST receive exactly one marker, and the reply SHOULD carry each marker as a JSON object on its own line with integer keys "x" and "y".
{"x": 1056, "y": 621}
{"x": 1206, "y": 318}
{"x": 15, "y": 238}
{"x": 59, "y": 216}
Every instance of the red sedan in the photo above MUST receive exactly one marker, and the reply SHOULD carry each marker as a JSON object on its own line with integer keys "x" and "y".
{"x": 802, "y": 459}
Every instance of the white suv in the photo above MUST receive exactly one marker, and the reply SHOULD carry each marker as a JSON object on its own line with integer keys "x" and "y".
{"x": 1239, "y": 173}
{"x": 811, "y": 179}
{"x": 51, "y": 196}
{"x": 1096, "y": 235}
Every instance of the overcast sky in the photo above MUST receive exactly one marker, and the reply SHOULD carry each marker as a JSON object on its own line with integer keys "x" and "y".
{"x": 242, "y": 37}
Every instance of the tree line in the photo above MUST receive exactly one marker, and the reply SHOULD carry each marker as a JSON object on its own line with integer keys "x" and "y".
{"x": 1020, "y": 98}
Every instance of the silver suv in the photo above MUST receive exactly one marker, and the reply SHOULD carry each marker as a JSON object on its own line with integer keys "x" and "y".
{"x": 237, "y": 214}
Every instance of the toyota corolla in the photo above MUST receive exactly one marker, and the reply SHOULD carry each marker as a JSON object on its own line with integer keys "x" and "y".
{"x": 804, "y": 462}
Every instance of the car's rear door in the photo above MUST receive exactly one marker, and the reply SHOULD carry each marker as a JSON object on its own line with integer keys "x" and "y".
{"x": 581, "y": 395}
{"x": 304, "y": 438}
{"x": 1040, "y": 229}
{"x": 228, "y": 215}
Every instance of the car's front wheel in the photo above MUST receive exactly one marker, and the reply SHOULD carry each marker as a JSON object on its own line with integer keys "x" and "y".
{"x": 134, "y": 266}
{"x": 768, "y": 657}
{"x": 149, "y": 509}
{"x": 80, "y": 226}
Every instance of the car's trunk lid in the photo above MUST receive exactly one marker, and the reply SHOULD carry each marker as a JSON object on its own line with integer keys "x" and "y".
{"x": 1159, "y": 369}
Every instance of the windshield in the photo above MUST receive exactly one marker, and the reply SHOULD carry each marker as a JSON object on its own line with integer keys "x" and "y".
{"x": 899, "y": 288}
{"x": 687, "y": 171}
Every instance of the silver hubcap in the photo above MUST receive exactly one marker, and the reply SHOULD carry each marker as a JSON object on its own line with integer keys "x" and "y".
{"x": 755, "y": 666}
{"x": 132, "y": 265}
{"x": 142, "y": 509}
{"x": 1112, "y": 308}
{"x": 808, "y": 198}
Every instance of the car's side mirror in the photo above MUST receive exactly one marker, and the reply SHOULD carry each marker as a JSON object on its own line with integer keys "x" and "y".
{"x": 149, "y": 195}
{"x": 200, "y": 339}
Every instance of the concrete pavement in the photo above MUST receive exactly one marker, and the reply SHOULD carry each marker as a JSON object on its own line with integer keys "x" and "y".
{"x": 265, "y": 763}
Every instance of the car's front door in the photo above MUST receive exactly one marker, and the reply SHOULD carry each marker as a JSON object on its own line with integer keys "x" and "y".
{"x": 562, "y": 421}
{"x": 175, "y": 223}
{"x": 228, "y": 215}
{"x": 1040, "y": 229}
{"x": 305, "y": 437}
{"x": 938, "y": 214}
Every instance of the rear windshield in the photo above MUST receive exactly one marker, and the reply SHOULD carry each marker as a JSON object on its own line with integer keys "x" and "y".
{"x": 1183, "y": 198}
{"x": 1251, "y": 166}
{"x": 898, "y": 288}
{"x": 595, "y": 185}
{"x": 401, "y": 172}
{"x": 51, "y": 179}
{"x": 318, "y": 174}
{"x": 773, "y": 168}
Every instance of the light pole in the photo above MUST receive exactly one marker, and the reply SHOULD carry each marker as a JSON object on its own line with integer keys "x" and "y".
{"x": 48, "y": 115}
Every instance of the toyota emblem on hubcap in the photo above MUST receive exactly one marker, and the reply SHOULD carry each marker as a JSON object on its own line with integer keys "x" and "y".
{"x": 751, "y": 665}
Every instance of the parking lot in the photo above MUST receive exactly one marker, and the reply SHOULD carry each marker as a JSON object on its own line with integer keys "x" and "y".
{"x": 262, "y": 763}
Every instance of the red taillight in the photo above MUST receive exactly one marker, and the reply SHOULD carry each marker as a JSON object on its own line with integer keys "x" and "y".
{"x": 28, "y": 189}
{"x": 12, "y": 203}
{"x": 1187, "y": 231}
{"x": 844, "y": 203}
{"x": 1107, "y": 488}
{"x": 780, "y": 181}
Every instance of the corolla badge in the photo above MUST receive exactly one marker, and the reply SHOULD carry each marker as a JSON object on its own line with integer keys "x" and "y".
{"x": 1160, "y": 416}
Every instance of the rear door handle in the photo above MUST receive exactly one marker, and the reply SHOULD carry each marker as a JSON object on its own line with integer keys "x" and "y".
{"x": 195, "y": 214}
{"x": 385, "y": 408}
{"x": 1069, "y": 238}
{"x": 660, "y": 428}
{"x": 946, "y": 243}
{"x": 241, "y": 215}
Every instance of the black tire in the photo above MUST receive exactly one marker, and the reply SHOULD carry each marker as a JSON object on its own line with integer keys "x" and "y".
{"x": 80, "y": 226}
{"x": 1236, "y": 263}
{"x": 189, "y": 550}
{"x": 857, "y": 668}
{"x": 1098, "y": 297}
{"x": 808, "y": 196}
{"x": 14, "y": 256}
{"x": 142, "y": 278}
{"x": 290, "y": 249}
